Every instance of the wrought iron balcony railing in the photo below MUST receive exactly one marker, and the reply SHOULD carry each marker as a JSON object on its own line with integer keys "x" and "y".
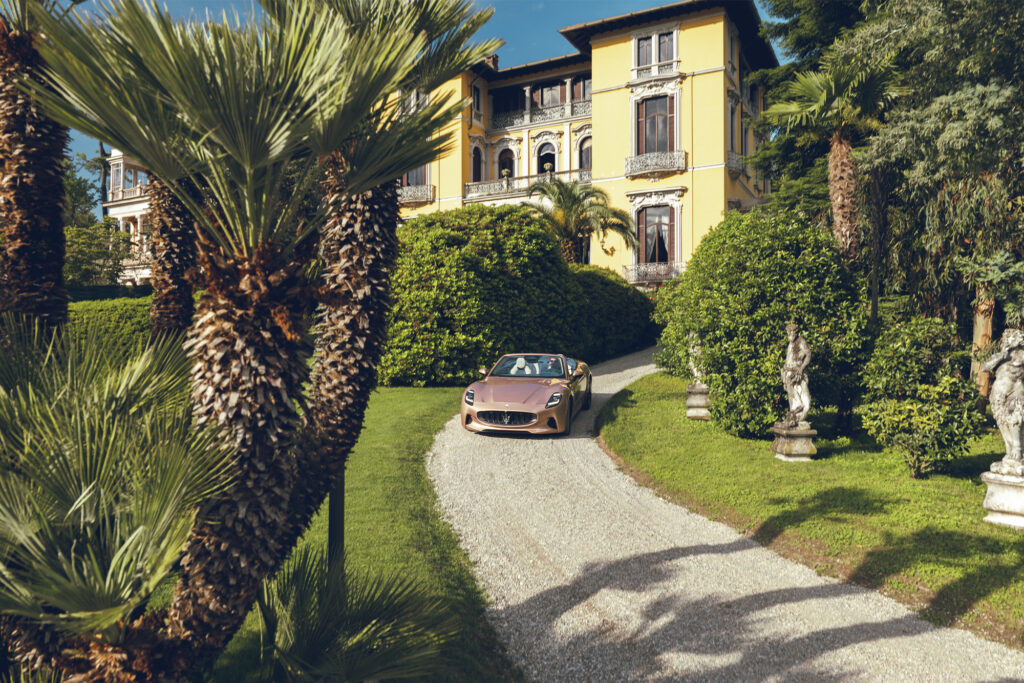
{"x": 656, "y": 163}
{"x": 735, "y": 164}
{"x": 520, "y": 185}
{"x": 660, "y": 69}
{"x": 640, "y": 273}
{"x": 555, "y": 112}
{"x": 416, "y": 194}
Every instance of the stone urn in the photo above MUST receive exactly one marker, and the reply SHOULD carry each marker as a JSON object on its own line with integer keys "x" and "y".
{"x": 697, "y": 401}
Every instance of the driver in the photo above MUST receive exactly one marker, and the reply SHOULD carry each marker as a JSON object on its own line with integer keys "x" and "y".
{"x": 554, "y": 368}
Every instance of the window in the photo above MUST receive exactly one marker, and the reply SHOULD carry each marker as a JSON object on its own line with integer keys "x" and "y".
{"x": 581, "y": 89}
{"x": 143, "y": 178}
{"x": 732, "y": 127}
{"x": 643, "y": 51}
{"x": 478, "y": 165}
{"x": 732, "y": 52}
{"x": 656, "y": 227}
{"x": 585, "y": 154}
{"x": 655, "y": 130}
{"x": 743, "y": 138}
{"x": 665, "y": 47}
{"x": 506, "y": 163}
{"x": 417, "y": 176}
{"x": 546, "y": 156}
{"x": 476, "y": 98}
{"x": 129, "y": 178}
{"x": 115, "y": 177}
{"x": 550, "y": 95}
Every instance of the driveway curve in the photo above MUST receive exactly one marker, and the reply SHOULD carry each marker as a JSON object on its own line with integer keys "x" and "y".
{"x": 594, "y": 578}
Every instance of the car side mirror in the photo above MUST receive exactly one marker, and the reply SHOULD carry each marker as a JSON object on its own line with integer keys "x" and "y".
{"x": 482, "y": 371}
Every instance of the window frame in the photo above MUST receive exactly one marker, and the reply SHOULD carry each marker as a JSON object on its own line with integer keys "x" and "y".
{"x": 425, "y": 169}
{"x": 514, "y": 159}
{"x": 586, "y": 144}
{"x": 640, "y": 142}
{"x": 670, "y": 229}
{"x": 656, "y": 66}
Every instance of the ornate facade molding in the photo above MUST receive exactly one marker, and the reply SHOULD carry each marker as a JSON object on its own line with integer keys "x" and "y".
{"x": 649, "y": 31}
{"x": 545, "y": 136}
{"x": 507, "y": 142}
{"x": 644, "y": 198}
{"x": 478, "y": 140}
{"x": 583, "y": 130}
{"x": 655, "y": 87}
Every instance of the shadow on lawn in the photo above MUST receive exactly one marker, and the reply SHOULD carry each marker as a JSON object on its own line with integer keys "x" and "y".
{"x": 726, "y": 637}
{"x": 834, "y": 504}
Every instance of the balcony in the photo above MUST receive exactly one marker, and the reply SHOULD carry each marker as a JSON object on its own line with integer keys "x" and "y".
{"x": 556, "y": 112}
{"x": 641, "y": 273}
{"x": 513, "y": 186}
{"x": 655, "y": 164}
{"x": 735, "y": 165}
{"x": 129, "y": 193}
{"x": 668, "y": 68}
{"x": 416, "y": 194}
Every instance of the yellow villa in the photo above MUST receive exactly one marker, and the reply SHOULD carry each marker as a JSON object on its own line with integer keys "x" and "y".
{"x": 653, "y": 108}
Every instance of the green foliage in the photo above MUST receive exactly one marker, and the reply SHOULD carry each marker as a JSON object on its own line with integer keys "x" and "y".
{"x": 578, "y": 212}
{"x": 474, "y": 283}
{"x": 916, "y": 351}
{"x": 750, "y": 276}
{"x": 80, "y": 192}
{"x": 95, "y": 254}
{"x": 931, "y": 426}
{"x": 320, "y": 622}
{"x": 124, "y": 323}
{"x": 1002, "y": 276}
{"x": 101, "y": 476}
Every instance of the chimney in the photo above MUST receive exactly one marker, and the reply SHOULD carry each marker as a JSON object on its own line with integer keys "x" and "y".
{"x": 492, "y": 61}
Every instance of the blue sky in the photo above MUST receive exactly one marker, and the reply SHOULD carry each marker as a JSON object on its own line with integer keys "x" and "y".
{"x": 528, "y": 27}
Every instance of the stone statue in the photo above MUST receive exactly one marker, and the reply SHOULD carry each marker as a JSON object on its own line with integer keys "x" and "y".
{"x": 698, "y": 376}
{"x": 697, "y": 399}
{"x": 794, "y": 378}
{"x": 1007, "y": 398}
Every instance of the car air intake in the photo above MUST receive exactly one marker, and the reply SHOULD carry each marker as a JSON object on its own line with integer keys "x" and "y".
{"x": 506, "y": 418}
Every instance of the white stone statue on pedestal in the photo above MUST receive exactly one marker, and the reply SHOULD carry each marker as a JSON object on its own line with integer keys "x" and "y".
{"x": 794, "y": 378}
{"x": 1007, "y": 398}
{"x": 697, "y": 400}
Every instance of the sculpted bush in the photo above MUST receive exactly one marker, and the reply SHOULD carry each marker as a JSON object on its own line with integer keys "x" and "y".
{"x": 474, "y": 283}
{"x": 920, "y": 402}
{"x": 750, "y": 276}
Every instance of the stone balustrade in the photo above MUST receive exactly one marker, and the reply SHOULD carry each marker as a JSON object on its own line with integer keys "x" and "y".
{"x": 656, "y": 163}
{"x": 639, "y": 273}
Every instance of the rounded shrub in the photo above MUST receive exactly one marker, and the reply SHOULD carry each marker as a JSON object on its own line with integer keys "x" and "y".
{"x": 920, "y": 401}
{"x": 474, "y": 283}
{"x": 749, "y": 277}
{"x": 124, "y": 322}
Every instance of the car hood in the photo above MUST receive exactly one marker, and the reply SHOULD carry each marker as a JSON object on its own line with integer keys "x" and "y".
{"x": 514, "y": 391}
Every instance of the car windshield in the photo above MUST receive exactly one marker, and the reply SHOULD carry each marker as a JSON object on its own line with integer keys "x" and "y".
{"x": 529, "y": 365}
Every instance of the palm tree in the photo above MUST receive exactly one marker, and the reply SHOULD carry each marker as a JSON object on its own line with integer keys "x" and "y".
{"x": 578, "y": 211}
{"x": 101, "y": 479}
{"x": 235, "y": 109}
{"x": 31, "y": 180}
{"x": 840, "y": 100}
{"x": 174, "y": 255}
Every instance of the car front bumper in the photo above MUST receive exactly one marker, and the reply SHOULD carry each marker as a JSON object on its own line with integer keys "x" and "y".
{"x": 549, "y": 420}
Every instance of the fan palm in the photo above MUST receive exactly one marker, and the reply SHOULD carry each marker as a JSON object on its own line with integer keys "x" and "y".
{"x": 174, "y": 255}
{"x": 31, "y": 180}
{"x": 102, "y": 479}
{"x": 578, "y": 211}
{"x": 317, "y": 624}
{"x": 840, "y": 100}
{"x": 235, "y": 108}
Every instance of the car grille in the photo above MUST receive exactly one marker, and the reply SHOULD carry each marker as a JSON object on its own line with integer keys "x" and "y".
{"x": 506, "y": 418}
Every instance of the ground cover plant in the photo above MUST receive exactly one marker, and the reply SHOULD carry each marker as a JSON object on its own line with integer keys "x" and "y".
{"x": 474, "y": 283}
{"x": 749, "y": 277}
{"x": 852, "y": 514}
{"x": 392, "y": 527}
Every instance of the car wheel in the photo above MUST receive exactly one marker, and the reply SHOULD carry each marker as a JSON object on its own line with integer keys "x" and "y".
{"x": 568, "y": 421}
{"x": 586, "y": 399}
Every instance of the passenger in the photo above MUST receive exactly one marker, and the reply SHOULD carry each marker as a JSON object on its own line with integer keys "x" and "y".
{"x": 520, "y": 367}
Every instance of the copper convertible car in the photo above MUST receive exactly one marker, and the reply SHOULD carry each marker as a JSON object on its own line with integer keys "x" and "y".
{"x": 538, "y": 393}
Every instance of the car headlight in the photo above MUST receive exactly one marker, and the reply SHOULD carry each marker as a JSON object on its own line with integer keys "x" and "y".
{"x": 555, "y": 399}
{"x": 470, "y": 396}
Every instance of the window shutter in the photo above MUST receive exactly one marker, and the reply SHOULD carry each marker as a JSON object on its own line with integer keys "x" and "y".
{"x": 577, "y": 89}
{"x": 671, "y": 123}
{"x": 640, "y": 146}
{"x": 671, "y": 234}
{"x": 536, "y": 97}
{"x": 641, "y": 228}
{"x": 561, "y": 93}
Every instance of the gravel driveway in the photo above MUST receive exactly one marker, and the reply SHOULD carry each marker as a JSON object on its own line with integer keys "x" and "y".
{"x": 594, "y": 578}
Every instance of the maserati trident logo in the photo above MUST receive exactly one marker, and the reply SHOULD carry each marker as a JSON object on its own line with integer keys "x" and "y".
{"x": 506, "y": 417}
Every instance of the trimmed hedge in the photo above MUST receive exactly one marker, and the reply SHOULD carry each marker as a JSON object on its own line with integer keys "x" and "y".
{"x": 474, "y": 283}
{"x": 124, "y": 322}
{"x": 750, "y": 276}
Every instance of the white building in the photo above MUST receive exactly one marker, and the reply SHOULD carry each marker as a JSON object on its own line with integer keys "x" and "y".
{"x": 128, "y": 204}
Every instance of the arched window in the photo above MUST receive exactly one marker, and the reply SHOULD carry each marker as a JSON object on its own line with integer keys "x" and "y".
{"x": 545, "y": 156}
{"x": 585, "y": 158}
{"x": 507, "y": 163}
{"x": 478, "y": 165}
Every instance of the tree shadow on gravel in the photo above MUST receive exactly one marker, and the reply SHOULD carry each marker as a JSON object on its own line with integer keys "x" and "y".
{"x": 709, "y": 638}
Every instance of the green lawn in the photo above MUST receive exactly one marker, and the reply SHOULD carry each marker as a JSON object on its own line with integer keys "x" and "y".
{"x": 855, "y": 513}
{"x": 392, "y": 525}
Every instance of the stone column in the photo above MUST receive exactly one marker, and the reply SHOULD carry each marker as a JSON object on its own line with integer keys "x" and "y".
{"x": 528, "y": 89}
{"x": 568, "y": 98}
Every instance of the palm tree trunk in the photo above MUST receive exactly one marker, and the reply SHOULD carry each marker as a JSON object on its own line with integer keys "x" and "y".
{"x": 842, "y": 188}
{"x": 568, "y": 248}
{"x": 984, "y": 310}
{"x": 250, "y": 348}
{"x": 31, "y": 187}
{"x": 174, "y": 255}
{"x": 359, "y": 249}
{"x": 879, "y": 226}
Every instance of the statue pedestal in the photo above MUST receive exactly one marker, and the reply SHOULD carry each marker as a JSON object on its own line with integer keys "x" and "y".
{"x": 697, "y": 402}
{"x": 794, "y": 444}
{"x": 1005, "y": 497}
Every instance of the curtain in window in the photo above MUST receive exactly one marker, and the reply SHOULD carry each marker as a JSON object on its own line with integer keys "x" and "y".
{"x": 656, "y": 225}
{"x": 417, "y": 176}
{"x": 656, "y": 125}
{"x": 585, "y": 154}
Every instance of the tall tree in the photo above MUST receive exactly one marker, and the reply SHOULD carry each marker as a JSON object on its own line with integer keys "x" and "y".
{"x": 574, "y": 212}
{"x": 235, "y": 109}
{"x": 840, "y": 101}
{"x": 32, "y": 148}
{"x": 174, "y": 257}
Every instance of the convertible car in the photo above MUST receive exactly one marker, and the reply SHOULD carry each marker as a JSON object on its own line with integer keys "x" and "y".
{"x": 538, "y": 393}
